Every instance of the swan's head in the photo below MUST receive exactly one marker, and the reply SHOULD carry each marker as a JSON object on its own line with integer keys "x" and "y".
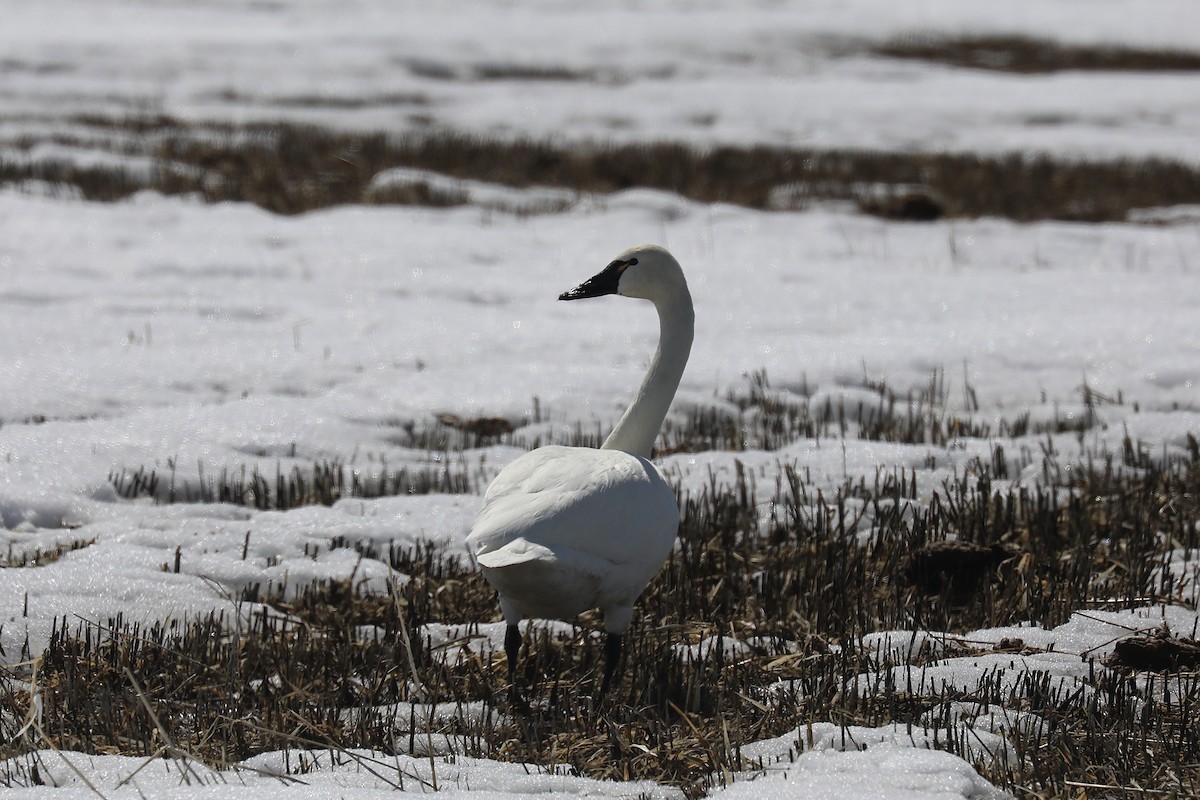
{"x": 647, "y": 271}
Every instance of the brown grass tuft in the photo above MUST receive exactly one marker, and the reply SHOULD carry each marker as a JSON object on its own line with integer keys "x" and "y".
{"x": 1025, "y": 55}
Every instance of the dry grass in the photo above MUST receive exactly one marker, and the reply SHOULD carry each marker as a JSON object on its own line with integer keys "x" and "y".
{"x": 1025, "y": 55}
{"x": 321, "y": 483}
{"x": 36, "y": 557}
{"x": 821, "y": 570}
{"x": 291, "y": 169}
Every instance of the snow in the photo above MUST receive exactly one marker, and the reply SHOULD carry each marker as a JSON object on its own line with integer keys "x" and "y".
{"x": 1061, "y": 658}
{"x": 794, "y": 73}
{"x": 163, "y": 334}
{"x": 318, "y": 774}
{"x": 830, "y": 761}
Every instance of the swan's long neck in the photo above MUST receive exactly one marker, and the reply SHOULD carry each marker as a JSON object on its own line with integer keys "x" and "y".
{"x": 638, "y": 428}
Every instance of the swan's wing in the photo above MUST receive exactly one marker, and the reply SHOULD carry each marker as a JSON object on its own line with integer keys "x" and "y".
{"x": 520, "y": 552}
{"x": 606, "y": 504}
{"x": 515, "y": 553}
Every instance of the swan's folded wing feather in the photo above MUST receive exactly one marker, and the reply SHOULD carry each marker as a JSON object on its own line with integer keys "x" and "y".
{"x": 518, "y": 551}
{"x": 522, "y": 551}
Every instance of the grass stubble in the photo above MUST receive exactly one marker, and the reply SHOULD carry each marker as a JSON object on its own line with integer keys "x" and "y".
{"x": 336, "y": 669}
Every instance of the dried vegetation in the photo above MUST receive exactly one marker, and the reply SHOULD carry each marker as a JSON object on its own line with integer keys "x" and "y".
{"x": 772, "y": 588}
{"x": 321, "y": 483}
{"x": 1024, "y": 55}
{"x": 291, "y": 169}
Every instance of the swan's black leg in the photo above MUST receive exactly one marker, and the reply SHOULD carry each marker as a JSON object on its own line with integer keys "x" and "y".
{"x": 512, "y": 649}
{"x": 612, "y": 656}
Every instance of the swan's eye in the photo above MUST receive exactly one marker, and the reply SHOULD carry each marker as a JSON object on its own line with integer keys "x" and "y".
{"x": 631, "y": 262}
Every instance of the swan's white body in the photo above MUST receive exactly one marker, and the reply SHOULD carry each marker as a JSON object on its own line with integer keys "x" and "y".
{"x": 567, "y": 529}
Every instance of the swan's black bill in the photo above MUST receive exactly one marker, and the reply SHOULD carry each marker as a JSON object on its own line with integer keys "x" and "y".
{"x": 605, "y": 282}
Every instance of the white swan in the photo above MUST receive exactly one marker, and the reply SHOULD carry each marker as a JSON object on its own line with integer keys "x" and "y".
{"x": 566, "y": 529}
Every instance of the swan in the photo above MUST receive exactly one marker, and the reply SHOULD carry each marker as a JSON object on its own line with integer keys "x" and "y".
{"x": 566, "y": 529}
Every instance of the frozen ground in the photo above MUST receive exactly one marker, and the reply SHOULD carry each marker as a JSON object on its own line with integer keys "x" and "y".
{"x": 796, "y": 73}
{"x": 165, "y": 334}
